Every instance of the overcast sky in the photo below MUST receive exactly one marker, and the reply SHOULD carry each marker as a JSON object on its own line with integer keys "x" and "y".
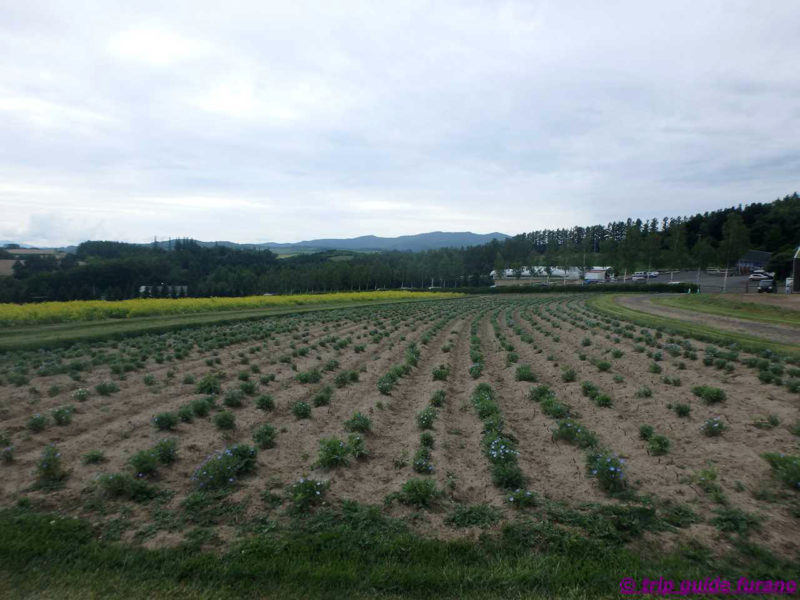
{"x": 283, "y": 121}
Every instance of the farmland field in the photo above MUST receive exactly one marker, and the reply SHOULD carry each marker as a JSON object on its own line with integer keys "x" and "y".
{"x": 475, "y": 446}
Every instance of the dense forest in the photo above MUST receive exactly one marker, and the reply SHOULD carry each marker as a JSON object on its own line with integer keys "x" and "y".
{"x": 115, "y": 270}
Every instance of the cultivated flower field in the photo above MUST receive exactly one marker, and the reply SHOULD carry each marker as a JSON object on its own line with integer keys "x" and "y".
{"x": 456, "y": 416}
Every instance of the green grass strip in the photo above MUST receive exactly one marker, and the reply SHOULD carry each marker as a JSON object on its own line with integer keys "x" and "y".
{"x": 607, "y": 304}
{"x": 729, "y": 307}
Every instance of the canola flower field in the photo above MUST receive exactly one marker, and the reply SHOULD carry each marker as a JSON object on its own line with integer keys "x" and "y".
{"x": 95, "y": 310}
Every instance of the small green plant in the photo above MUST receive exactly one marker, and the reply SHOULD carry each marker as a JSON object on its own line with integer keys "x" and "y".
{"x": 426, "y": 439}
{"x": 658, "y": 445}
{"x": 165, "y": 421}
{"x": 735, "y": 520}
{"x": 358, "y": 422}
{"x": 123, "y": 485}
{"x": 709, "y": 395}
{"x": 524, "y": 373}
{"x": 646, "y": 432}
{"x": 149, "y": 379}
{"x": 306, "y": 493}
{"x": 421, "y": 493}
{"x": 301, "y": 410}
{"x": 438, "y": 398}
{"x": 713, "y": 427}
{"x": 80, "y": 395}
{"x": 683, "y": 410}
{"x": 785, "y": 467}
{"x": 603, "y": 366}
{"x": 144, "y": 463}
{"x": 426, "y": 418}
{"x": 323, "y": 396}
{"x": 644, "y": 392}
{"x": 568, "y": 375}
{"x": 357, "y": 445}
{"x": 265, "y": 402}
{"x": 37, "y": 423}
{"x": 233, "y": 398}
{"x": 441, "y": 373}
{"x": 93, "y": 457}
{"x": 106, "y": 388}
{"x": 522, "y": 499}
{"x": 608, "y": 469}
{"x": 186, "y": 414}
{"x": 265, "y": 436}
{"x": 574, "y": 433}
{"x": 166, "y": 451}
{"x": 655, "y": 368}
{"x": 62, "y": 415}
{"x": 769, "y": 422}
{"x": 333, "y": 452}
{"x": 345, "y": 378}
{"x": 312, "y": 376}
{"x": 200, "y": 407}
{"x": 209, "y": 384}
{"x": 586, "y": 342}
{"x": 49, "y": 471}
{"x": 223, "y": 469}
{"x": 225, "y": 420}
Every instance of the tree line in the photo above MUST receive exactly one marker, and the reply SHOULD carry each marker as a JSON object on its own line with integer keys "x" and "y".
{"x": 116, "y": 270}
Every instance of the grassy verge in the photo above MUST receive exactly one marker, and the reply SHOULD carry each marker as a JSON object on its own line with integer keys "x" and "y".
{"x": 43, "y": 336}
{"x": 717, "y": 304}
{"x": 354, "y": 553}
{"x": 607, "y": 304}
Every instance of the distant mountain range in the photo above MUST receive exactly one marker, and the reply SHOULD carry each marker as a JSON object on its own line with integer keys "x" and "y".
{"x": 364, "y": 243}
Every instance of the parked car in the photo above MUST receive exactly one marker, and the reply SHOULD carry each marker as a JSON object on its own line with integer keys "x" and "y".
{"x": 638, "y": 277}
{"x": 759, "y": 276}
{"x": 652, "y": 274}
{"x": 766, "y": 285}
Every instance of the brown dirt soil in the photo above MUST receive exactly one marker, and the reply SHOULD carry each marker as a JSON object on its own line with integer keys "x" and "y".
{"x": 775, "y": 333}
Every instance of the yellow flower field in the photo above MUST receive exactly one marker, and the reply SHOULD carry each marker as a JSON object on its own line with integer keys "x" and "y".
{"x": 93, "y": 310}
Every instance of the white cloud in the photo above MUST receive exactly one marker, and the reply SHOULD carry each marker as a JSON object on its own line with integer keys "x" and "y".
{"x": 156, "y": 47}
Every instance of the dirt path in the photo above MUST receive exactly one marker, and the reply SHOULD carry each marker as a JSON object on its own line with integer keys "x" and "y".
{"x": 782, "y": 334}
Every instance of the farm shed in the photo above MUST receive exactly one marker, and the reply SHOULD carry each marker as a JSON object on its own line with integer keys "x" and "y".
{"x": 796, "y": 270}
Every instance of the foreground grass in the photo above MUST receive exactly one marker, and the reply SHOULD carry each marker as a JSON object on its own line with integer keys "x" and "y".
{"x": 607, "y": 304}
{"x": 93, "y": 310}
{"x": 727, "y": 306}
{"x": 43, "y": 336}
{"x": 354, "y": 553}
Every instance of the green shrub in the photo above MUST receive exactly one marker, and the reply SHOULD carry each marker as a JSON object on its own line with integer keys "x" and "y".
{"x": 50, "y": 473}
{"x": 37, "y": 422}
{"x": 333, "y": 452}
{"x": 426, "y": 418}
{"x": 358, "y": 422}
{"x": 312, "y": 376}
{"x": 522, "y": 499}
{"x": 421, "y": 493}
{"x": 426, "y": 439}
{"x": 166, "y": 451}
{"x": 165, "y": 421}
{"x": 323, "y": 396}
{"x": 223, "y": 469}
{"x": 186, "y": 414}
{"x": 233, "y": 398}
{"x": 93, "y": 457}
{"x": 438, "y": 398}
{"x": 603, "y": 366}
{"x": 683, "y": 410}
{"x": 786, "y": 468}
{"x": 80, "y": 395}
{"x": 507, "y": 476}
{"x": 247, "y": 387}
{"x": 301, "y": 410}
{"x": 709, "y": 395}
{"x": 769, "y": 422}
{"x": 540, "y": 393}
{"x": 200, "y": 407}
{"x": 441, "y": 373}
{"x": 144, "y": 463}
{"x": 603, "y": 400}
{"x": 568, "y": 375}
{"x": 225, "y": 420}
{"x": 209, "y": 384}
{"x": 306, "y": 493}
{"x": 524, "y": 373}
{"x": 265, "y": 402}
{"x": 713, "y": 427}
{"x": 644, "y": 392}
{"x": 658, "y": 445}
{"x": 574, "y": 433}
{"x": 62, "y": 415}
{"x": 646, "y": 432}
{"x": 106, "y": 388}
{"x": 345, "y": 378}
{"x": 608, "y": 469}
{"x": 265, "y": 436}
{"x": 357, "y": 446}
{"x": 122, "y": 485}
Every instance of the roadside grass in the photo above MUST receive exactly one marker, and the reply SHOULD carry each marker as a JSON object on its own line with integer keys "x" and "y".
{"x": 607, "y": 304}
{"x": 354, "y": 551}
{"x": 718, "y": 304}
